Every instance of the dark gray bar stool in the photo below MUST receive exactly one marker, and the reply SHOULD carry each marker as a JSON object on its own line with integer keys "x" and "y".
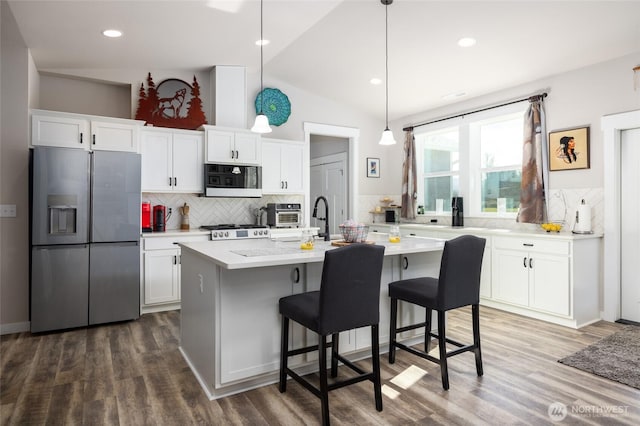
{"x": 349, "y": 297}
{"x": 458, "y": 285}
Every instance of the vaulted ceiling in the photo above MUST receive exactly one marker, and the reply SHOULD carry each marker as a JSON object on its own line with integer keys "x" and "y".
{"x": 334, "y": 47}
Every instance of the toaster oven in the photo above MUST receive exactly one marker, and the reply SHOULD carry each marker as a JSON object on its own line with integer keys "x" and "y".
{"x": 284, "y": 215}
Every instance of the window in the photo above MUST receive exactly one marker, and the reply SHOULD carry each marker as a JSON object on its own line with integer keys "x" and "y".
{"x": 478, "y": 158}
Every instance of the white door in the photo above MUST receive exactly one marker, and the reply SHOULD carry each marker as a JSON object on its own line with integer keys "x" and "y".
{"x": 629, "y": 227}
{"x": 329, "y": 178}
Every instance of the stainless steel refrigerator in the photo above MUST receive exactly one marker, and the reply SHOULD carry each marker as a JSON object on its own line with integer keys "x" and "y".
{"x": 85, "y": 237}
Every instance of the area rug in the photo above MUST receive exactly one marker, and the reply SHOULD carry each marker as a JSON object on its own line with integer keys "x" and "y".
{"x": 616, "y": 357}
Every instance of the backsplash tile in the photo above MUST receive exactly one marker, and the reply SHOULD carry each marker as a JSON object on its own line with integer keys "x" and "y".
{"x": 215, "y": 211}
{"x": 563, "y": 204}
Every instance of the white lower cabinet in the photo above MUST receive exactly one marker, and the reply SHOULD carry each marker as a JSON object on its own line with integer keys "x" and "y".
{"x": 160, "y": 286}
{"x": 250, "y": 308}
{"x": 545, "y": 276}
{"x": 556, "y": 281}
{"x": 532, "y": 273}
{"x": 161, "y": 276}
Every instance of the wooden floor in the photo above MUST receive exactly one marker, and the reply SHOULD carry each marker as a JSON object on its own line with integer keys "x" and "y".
{"x": 133, "y": 374}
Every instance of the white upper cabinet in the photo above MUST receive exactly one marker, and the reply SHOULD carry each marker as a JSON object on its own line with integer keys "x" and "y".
{"x": 108, "y": 136}
{"x": 282, "y": 167}
{"x": 60, "y": 131}
{"x": 67, "y": 130}
{"x": 230, "y": 146}
{"x": 172, "y": 160}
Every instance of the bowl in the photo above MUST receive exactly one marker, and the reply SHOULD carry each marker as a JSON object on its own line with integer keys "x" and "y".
{"x": 354, "y": 233}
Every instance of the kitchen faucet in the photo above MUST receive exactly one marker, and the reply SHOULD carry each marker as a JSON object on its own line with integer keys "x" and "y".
{"x": 327, "y": 236}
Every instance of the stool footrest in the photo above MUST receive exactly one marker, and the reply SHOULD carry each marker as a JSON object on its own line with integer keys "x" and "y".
{"x": 462, "y": 348}
{"x": 410, "y": 327}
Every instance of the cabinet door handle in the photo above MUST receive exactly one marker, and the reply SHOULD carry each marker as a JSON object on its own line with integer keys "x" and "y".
{"x": 237, "y": 155}
{"x": 524, "y": 261}
{"x": 80, "y": 137}
{"x": 94, "y": 139}
{"x": 281, "y": 184}
{"x": 232, "y": 154}
{"x": 286, "y": 185}
{"x": 175, "y": 260}
{"x": 527, "y": 244}
{"x": 175, "y": 181}
{"x": 406, "y": 263}
{"x": 531, "y": 263}
{"x": 170, "y": 181}
{"x": 296, "y": 278}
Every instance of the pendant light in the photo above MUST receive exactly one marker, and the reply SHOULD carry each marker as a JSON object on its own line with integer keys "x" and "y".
{"x": 261, "y": 124}
{"x": 387, "y": 135}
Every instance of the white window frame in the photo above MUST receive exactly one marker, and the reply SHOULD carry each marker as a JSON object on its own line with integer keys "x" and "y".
{"x": 470, "y": 173}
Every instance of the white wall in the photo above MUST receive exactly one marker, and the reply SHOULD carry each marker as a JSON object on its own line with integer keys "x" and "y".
{"x": 309, "y": 107}
{"x": 14, "y": 175}
{"x": 576, "y": 98}
{"x": 59, "y": 93}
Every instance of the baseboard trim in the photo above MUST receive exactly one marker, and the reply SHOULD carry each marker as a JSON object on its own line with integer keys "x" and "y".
{"x": 16, "y": 327}
{"x": 627, "y": 322}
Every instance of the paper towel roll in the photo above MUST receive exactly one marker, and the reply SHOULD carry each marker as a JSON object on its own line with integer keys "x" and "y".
{"x": 583, "y": 218}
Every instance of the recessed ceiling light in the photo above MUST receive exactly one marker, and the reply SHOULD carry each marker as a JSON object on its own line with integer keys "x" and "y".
{"x": 454, "y": 95}
{"x": 466, "y": 42}
{"x": 112, "y": 33}
{"x": 262, "y": 42}
{"x": 375, "y": 81}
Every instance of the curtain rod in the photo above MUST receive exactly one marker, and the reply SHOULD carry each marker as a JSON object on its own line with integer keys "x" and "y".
{"x": 530, "y": 99}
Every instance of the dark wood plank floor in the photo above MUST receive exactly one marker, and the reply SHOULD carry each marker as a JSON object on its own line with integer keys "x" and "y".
{"x": 133, "y": 374}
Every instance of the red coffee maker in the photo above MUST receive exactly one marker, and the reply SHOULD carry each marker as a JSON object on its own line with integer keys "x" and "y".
{"x": 159, "y": 218}
{"x": 146, "y": 217}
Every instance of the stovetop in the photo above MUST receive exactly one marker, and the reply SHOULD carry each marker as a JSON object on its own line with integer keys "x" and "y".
{"x": 227, "y": 231}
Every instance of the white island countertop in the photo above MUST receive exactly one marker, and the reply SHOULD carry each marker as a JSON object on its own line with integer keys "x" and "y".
{"x": 255, "y": 253}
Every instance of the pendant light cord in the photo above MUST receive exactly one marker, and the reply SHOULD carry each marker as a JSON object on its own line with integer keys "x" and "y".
{"x": 261, "y": 62}
{"x": 386, "y": 63}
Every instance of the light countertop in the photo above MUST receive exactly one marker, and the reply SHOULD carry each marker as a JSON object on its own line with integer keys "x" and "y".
{"x": 240, "y": 254}
{"x": 562, "y": 235}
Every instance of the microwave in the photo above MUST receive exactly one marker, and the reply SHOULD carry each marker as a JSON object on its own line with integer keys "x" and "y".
{"x": 230, "y": 180}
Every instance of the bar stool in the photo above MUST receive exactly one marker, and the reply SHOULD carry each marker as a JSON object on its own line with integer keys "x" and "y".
{"x": 349, "y": 298}
{"x": 458, "y": 285}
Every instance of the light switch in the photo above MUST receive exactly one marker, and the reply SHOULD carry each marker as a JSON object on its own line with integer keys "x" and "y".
{"x": 7, "y": 210}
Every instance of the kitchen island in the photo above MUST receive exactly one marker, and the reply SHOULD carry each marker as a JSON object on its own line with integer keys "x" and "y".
{"x": 230, "y": 324}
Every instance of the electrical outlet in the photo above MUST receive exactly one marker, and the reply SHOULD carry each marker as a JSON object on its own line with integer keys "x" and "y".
{"x": 7, "y": 210}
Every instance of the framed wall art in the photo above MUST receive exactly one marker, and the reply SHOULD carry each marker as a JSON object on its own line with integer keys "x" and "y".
{"x": 569, "y": 149}
{"x": 373, "y": 167}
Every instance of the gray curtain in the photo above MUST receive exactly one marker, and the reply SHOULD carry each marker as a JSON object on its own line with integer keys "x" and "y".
{"x": 409, "y": 179}
{"x": 535, "y": 165}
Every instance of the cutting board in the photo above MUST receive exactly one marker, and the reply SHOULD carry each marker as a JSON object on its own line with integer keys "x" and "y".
{"x": 342, "y": 243}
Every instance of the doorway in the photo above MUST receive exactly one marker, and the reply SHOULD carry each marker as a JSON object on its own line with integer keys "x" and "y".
{"x": 615, "y": 128}
{"x": 329, "y": 178}
{"x": 629, "y": 227}
{"x": 351, "y": 138}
